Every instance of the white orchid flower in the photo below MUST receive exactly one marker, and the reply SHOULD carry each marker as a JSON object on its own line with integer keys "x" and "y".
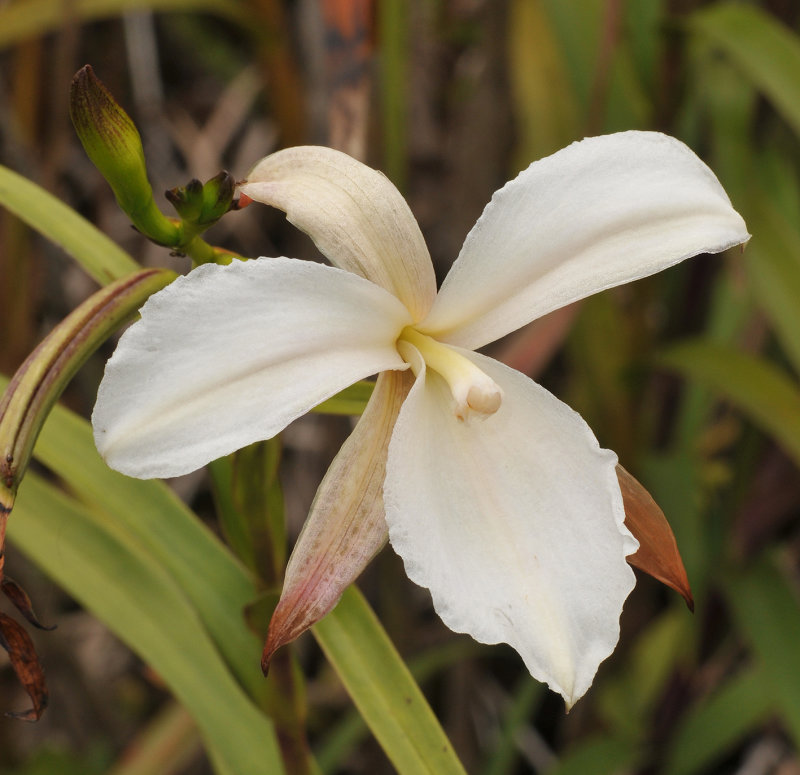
{"x": 496, "y": 495}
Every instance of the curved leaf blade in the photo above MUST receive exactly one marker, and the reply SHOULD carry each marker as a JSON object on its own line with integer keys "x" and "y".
{"x": 26, "y": 19}
{"x": 97, "y": 254}
{"x": 765, "y": 51}
{"x": 108, "y": 571}
{"x": 382, "y": 688}
{"x": 765, "y": 394}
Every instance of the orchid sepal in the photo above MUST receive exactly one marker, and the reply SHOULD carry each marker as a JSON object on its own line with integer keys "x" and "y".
{"x": 346, "y": 526}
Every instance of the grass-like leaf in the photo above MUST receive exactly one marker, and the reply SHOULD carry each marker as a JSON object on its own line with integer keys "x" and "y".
{"x": 765, "y": 51}
{"x": 351, "y": 400}
{"x": 102, "y": 258}
{"x": 101, "y": 564}
{"x": 382, "y": 688}
{"x": 760, "y": 390}
{"x": 215, "y": 583}
{"x": 218, "y": 587}
{"x": 711, "y": 728}
{"x": 25, "y": 19}
{"x": 765, "y": 606}
{"x": 773, "y": 265}
{"x": 599, "y": 755}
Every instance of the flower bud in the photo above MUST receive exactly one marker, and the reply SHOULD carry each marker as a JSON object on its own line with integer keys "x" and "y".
{"x": 112, "y": 142}
{"x": 201, "y": 206}
{"x": 187, "y": 200}
{"x": 217, "y": 197}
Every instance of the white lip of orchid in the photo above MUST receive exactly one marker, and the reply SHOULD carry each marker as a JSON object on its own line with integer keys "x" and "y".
{"x": 474, "y": 392}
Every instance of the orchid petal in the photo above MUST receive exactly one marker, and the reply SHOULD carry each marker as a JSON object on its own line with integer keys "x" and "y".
{"x": 229, "y": 355}
{"x": 355, "y": 215}
{"x": 514, "y": 523}
{"x": 346, "y": 526}
{"x": 599, "y": 213}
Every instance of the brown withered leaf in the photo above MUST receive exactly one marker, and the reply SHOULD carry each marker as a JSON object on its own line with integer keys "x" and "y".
{"x": 658, "y": 553}
{"x": 19, "y": 597}
{"x": 27, "y": 666}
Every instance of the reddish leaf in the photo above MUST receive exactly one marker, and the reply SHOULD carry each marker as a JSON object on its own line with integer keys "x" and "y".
{"x": 19, "y": 597}
{"x": 658, "y": 553}
{"x": 27, "y": 666}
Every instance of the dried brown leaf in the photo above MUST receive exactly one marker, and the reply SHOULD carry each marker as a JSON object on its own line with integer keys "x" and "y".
{"x": 19, "y": 597}
{"x": 27, "y": 666}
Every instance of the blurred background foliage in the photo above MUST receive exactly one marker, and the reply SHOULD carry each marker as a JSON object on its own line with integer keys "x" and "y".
{"x": 691, "y": 375}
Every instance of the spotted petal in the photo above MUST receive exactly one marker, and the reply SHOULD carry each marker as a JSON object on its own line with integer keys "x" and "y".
{"x": 599, "y": 213}
{"x": 354, "y": 214}
{"x": 514, "y": 523}
{"x": 231, "y": 355}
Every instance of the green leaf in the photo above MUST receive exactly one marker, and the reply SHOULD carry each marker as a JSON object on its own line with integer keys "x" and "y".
{"x": 545, "y": 106}
{"x": 216, "y": 584}
{"x": 773, "y": 265}
{"x": 168, "y": 743}
{"x": 351, "y": 400}
{"x": 597, "y": 756}
{"x": 765, "y": 51}
{"x": 107, "y": 569}
{"x": 395, "y": 50}
{"x": 605, "y": 82}
{"x": 625, "y": 701}
{"x": 39, "y": 382}
{"x": 97, "y": 254}
{"x": 383, "y": 690}
{"x": 765, "y": 606}
{"x": 25, "y": 19}
{"x": 343, "y": 738}
{"x": 711, "y": 729}
{"x": 219, "y": 588}
{"x": 760, "y": 390}
{"x": 526, "y": 695}
{"x": 250, "y": 508}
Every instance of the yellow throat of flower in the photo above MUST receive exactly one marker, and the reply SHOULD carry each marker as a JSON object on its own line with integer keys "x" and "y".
{"x": 473, "y": 391}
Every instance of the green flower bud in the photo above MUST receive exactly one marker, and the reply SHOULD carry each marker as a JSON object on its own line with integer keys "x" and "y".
{"x": 112, "y": 142}
{"x": 187, "y": 200}
{"x": 217, "y": 197}
{"x": 201, "y": 206}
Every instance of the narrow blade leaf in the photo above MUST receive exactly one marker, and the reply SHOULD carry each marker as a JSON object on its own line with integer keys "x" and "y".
{"x": 43, "y": 376}
{"x": 712, "y": 728}
{"x": 97, "y": 254}
{"x": 31, "y": 18}
{"x": 383, "y": 690}
{"x": 765, "y": 606}
{"x": 757, "y": 388}
{"x": 108, "y": 570}
{"x": 766, "y": 52}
